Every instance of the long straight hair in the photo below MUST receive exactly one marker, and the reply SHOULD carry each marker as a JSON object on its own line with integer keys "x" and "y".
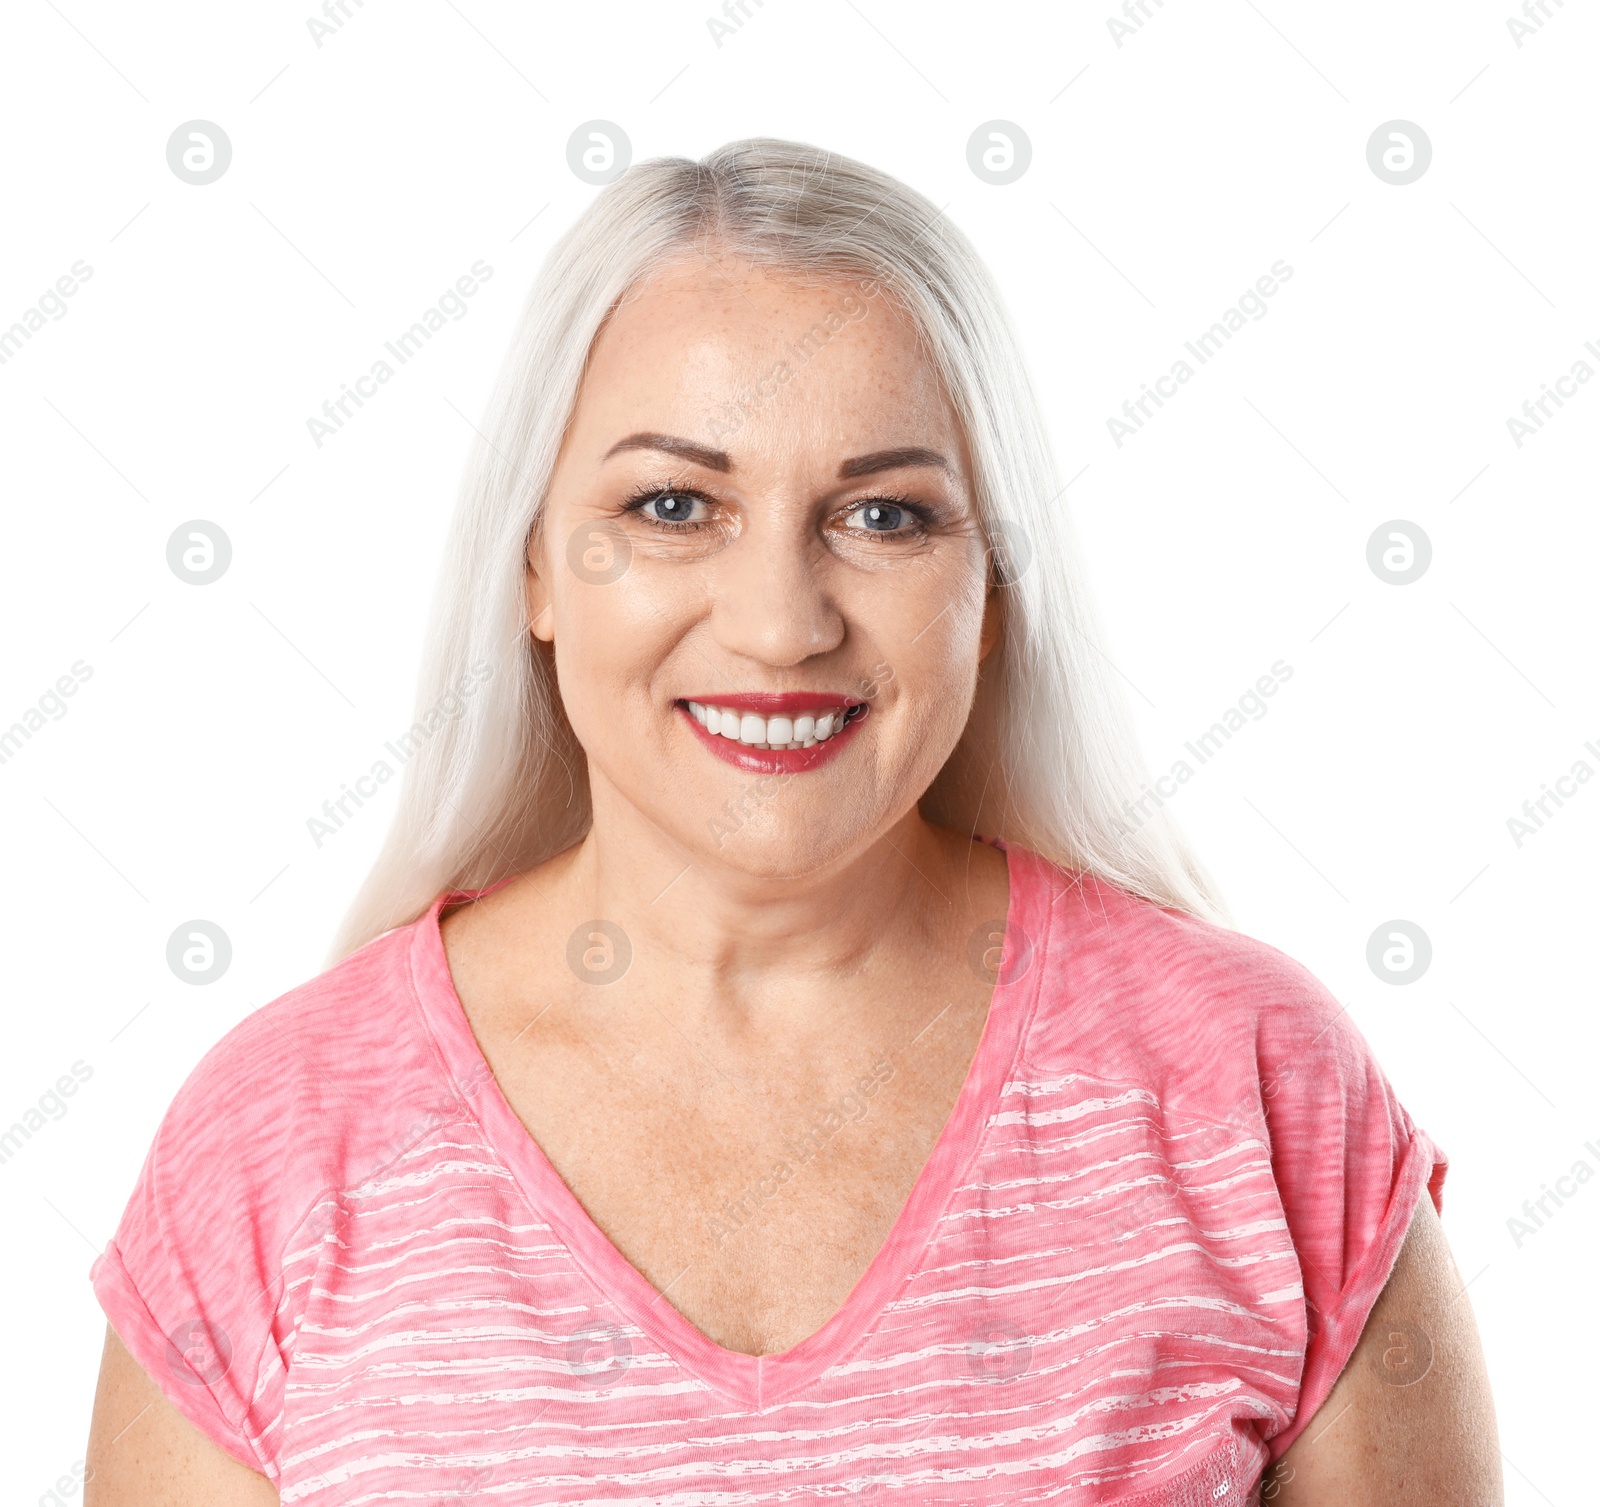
{"x": 1048, "y": 760}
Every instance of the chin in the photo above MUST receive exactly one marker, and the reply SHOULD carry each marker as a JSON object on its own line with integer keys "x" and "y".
{"x": 771, "y": 844}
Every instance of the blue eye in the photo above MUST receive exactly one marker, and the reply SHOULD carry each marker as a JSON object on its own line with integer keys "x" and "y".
{"x": 666, "y": 506}
{"x": 672, "y": 510}
{"x": 671, "y": 507}
{"x": 882, "y": 517}
{"x": 887, "y": 517}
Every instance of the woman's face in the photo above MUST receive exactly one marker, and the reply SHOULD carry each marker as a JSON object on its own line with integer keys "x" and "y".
{"x": 763, "y": 491}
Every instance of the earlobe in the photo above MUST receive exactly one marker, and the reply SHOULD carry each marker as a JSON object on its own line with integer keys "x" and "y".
{"x": 541, "y": 620}
{"x": 989, "y": 635}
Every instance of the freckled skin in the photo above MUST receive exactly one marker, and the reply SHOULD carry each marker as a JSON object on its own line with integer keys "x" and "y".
{"x": 702, "y": 612}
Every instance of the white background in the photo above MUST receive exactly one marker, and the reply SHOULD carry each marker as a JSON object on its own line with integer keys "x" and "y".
{"x": 1167, "y": 175}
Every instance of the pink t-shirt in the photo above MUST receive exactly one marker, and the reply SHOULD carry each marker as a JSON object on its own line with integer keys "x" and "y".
{"x": 1142, "y": 1249}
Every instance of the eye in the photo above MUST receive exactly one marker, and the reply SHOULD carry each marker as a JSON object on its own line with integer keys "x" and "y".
{"x": 894, "y": 517}
{"x": 667, "y": 507}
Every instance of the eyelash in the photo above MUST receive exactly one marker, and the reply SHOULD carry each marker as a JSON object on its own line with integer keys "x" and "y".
{"x": 636, "y": 503}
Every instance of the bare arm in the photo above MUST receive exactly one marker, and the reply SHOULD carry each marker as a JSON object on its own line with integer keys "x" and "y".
{"x": 144, "y": 1453}
{"x": 1410, "y": 1422}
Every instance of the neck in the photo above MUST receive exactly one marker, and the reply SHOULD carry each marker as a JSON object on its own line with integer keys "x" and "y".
{"x": 731, "y": 930}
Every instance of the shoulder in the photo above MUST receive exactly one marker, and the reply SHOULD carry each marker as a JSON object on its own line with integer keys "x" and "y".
{"x": 308, "y": 1096}
{"x": 1179, "y": 968}
{"x": 1212, "y": 1030}
{"x": 1204, "y": 1015}
{"x": 304, "y": 1094}
{"x": 273, "y": 1060}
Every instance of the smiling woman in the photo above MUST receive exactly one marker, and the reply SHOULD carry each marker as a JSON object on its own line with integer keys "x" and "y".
{"x": 797, "y": 782}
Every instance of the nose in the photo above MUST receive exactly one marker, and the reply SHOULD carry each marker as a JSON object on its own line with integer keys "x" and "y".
{"x": 772, "y": 601}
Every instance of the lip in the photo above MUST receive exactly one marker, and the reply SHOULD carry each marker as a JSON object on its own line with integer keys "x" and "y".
{"x": 776, "y": 703}
{"x": 778, "y": 760}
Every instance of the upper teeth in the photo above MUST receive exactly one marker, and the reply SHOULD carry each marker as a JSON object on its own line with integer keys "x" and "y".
{"x": 769, "y": 732}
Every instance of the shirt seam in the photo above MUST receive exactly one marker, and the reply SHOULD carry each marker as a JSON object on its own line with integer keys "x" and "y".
{"x": 242, "y": 1426}
{"x": 1415, "y": 1168}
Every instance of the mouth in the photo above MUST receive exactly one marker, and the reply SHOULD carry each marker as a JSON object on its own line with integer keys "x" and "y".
{"x": 775, "y": 733}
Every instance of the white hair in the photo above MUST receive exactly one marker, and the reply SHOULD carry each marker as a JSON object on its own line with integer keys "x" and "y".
{"x": 1048, "y": 759}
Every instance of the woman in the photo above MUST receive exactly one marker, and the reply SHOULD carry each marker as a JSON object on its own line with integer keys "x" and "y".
{"x": 697, "y": 1109}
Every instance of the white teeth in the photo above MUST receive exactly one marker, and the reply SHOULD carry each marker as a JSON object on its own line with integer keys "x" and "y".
{"x": 768, "y": 732}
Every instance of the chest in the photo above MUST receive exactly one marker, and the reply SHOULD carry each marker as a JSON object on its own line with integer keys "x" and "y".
{"x": 754, "y": 1195}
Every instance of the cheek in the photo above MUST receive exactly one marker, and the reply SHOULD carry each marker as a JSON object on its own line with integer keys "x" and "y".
{"x": 610, "y": 638}
{"x": 929, "y": 629}
{"x": 940, "y": 700}
{"x": 929, "y": 672}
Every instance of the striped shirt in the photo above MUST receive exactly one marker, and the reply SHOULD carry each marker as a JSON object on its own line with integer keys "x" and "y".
{"x": 1141, "y": 1251}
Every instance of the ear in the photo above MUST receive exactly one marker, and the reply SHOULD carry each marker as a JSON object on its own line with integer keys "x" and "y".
{"x": 536, "y": 590}
{"x": 993, "y": 609}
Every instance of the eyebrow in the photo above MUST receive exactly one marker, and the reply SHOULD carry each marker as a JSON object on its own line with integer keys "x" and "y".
{"x": 891, "y": 460}
{"x": 720, "y": 460}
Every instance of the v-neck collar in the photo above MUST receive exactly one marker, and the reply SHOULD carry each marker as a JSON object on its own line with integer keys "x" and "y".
{"x": 754, "y": 1381}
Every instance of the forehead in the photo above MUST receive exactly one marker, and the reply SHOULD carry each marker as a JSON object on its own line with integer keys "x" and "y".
{"x": 806, "y": 350}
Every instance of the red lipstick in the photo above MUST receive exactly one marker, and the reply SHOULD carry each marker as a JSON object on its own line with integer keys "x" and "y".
{"x": 777, "y": 760}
